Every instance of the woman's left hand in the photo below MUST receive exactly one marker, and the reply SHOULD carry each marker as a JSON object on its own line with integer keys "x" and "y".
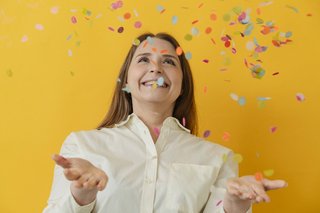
{"x": 251, "y": 188}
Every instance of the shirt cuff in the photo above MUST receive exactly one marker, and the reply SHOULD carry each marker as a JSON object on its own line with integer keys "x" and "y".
{"x": 82, "y": 209}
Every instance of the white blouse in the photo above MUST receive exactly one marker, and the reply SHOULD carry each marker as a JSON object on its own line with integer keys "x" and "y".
{"x": 178, "y": 173}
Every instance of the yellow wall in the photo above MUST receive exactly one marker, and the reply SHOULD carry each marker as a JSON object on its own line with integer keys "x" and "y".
{"x": 45, "y": 93}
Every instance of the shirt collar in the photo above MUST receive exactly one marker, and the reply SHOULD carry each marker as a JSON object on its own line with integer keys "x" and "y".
{"x": 169, "y": 121}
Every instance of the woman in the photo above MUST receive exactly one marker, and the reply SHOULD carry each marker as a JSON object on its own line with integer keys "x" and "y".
{"x": 141, "y": 158}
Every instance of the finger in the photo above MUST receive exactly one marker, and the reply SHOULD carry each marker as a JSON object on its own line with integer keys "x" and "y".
{"x": 247, "y": 192}
{"x": 273, "y": 184}
{"x": 91, "y": 183}
{"x": 261, "y": 195}
{"x": 102, "y": 183}
{"x": 72, "y": 173}
{"x": 61, "y": 161}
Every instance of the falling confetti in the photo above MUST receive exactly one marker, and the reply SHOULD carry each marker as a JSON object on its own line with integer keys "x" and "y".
{"x": 127, "y": 15}
{"x": 188, "y": 55}
{"x": 273, "y": 129}
{"x": 39, "y": 27}
{"x": 9, "y": 73}
{"x": 24, "y": 38}
{"x": 226, "y": 136}
{"x": 116, "y": 5}
{"x": 160, "y": 9}
{"x": 194, "y": 31}
{"x": 73, "y": 20}
{"x": 188, "y": 37}
{"x": 234, "y": 96}
{"x": 268, "y": 172}
{"x": 54, "y": 10}
{"x": 237, "y": 158}
{"x": 257, "y": 71}
{"x": 138, "y": 24}
{"x": 206, "y": 133}
{"x": 300, "y": 97}
{"x": 174, "y": 20}
{"x": 120, "y": 29}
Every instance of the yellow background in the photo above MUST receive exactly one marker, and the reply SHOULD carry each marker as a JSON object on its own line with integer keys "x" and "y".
{"x": 45, "y": 93}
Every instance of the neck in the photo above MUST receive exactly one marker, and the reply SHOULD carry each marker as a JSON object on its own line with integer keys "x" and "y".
{"x": 153, "y": 117}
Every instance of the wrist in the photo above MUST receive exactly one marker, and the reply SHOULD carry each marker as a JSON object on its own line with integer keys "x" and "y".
{"x": 233, "y": 204}
{"x": 83, "y": 196}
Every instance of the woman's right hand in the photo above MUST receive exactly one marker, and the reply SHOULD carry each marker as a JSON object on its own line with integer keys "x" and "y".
{"x": 86, "y": 179}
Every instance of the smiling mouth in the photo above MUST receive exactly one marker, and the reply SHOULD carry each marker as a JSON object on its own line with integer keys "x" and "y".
{"x": 155, "y": 84}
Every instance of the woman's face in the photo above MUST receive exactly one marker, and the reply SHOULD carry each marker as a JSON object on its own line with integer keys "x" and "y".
{"x": 155, "y": 74}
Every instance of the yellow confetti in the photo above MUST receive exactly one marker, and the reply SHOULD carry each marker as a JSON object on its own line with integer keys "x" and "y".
{"x": 268, "y": 172}
{"x": 224, "y": 157}
{"x": 237, "y": 158}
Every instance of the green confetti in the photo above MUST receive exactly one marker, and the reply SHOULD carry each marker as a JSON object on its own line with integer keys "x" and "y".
{"x": 9, "y": 73}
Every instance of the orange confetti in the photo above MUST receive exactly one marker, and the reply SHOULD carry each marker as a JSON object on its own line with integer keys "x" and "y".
{"x": 213, "y": 41}
{"x": 213, "y": 16}
{"x": 258, "y": 11}
{"x": 127, "y": 16}
{"x": 258, "y": 176}
{"x": 154, "y": 49}
{"x": 208, "y": 30}
{"x": 163, "y": 51}
{"x": 179, "y": 50}
{"x": 205, "y": 89}
{"x": 195, "y": 21}
{"x": 145, "y": 44}
{"x": 200, "y": 5}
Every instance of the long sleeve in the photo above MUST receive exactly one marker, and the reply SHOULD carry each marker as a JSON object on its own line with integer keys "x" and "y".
{"x": 61, "y": 199}
{"x": 218, "y": 189}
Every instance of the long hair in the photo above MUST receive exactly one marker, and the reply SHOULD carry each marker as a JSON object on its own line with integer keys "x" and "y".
{"x": 185, "y": 107}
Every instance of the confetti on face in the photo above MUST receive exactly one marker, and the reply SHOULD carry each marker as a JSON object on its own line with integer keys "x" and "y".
{"x": 160, "y": 81}
{"x": 179, "y": 51}
{"x": 206, "y": 133}
{"x": 127, "y": 16}
{"x": 39, "y": 27}
{"x": 273, "y": 129}
{"x": 126, "y": 89}
{"x": 24, "y": 38}
{"x": 242, "y": 101}
{"x": 150, "y": 40}
{"x": 226, "y": 136}
{"x": 136, "y": 42}
{"x": 73, "y": 20}
{"x": 54, "y": 10}
{"x": 188, "y": 37}
{"x": 258, "y": 176}
{"x": 188, "y": 55}
{"x": 300, "y": 97}
{"x": 184, "y": 121}
{"x": 120, "y": 29}
{"x": 9, "y": 73}
{"x": 268, "y": 172}
{"x": 237, "y": 158}
{"x": 137, "y": 24}
{"x": 174, "y": 20}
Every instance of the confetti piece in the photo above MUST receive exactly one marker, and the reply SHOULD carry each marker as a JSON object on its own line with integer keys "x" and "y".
{"x": 226, "y": 136}
{"x": 39, "y": 27}
{"x": 188, "y": 55}
{"x": 86, "y": 12}
{"x": 184, "y": 121}
{"x": 237, "y": 10}
{"x": 205, "y": 61}
{"x": 194, "y": 31}
{"x": 69, "y": 52}
{"x": 208, "y": 30}
{"x": 54, "y": 10}
{"x": 156, "y": 131}
{"x": 126, "y": 89}
{"x": 224, "y": 157}
{"x": 259, "y": 21}
{"x": 257, "y": 71}
{"x": 213, "y": 16}
{"x": 276, "y": 73}
{"x": 116, "y": 5}
{"x": 24, "y": 38}
{"x": 206, "y": 133}
{"x": 73, "y": 20}
{"x": 127, "y": 15}
{"x": 237, "y": 158}
{"x": 292, "y": 8}
{"x": 136, "y": 42}
{"x": 137, "y": 24}
{"x": 150, "y": 40}
{"x": 234, "y": 96}
{"x": 200, "y": 5}
{"x": 268, "y": 172}
{"x": 244, "y": 18}
{"x": 300, "y": 97}
{"x": 219, "y": 202}
{"x": 234, "y": 50}
{"x": 120, "y": 29}
{"x": 160, "y": 81}
{"x": 135, "y": 13}
{"x": 266, "y": 3}
{"x": 250, "y": 45}
{"x": 71, "y": 73}
{"x": 248, "y": 29}
{"x": 273, "y": 129}
{"x": 258, "y": 176}
{"x": 174, "y": 20}
{"x": 288, "y": 34}
{"x": 226, "y": 17}
{"x": 160, "y": 9}
{"x": 9, "y": 73}
{"x": 179, "y": 51}
{"x": 111, "y": 29}
{"x": 205, "y": 89}
{"x": 242, "y": 101}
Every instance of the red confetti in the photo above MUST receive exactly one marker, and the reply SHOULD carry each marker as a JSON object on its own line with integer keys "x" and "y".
{"x": 276, "y": 73}
{"x": 258, "y": 176}
{"x": 205, "y": 61}
{"x": 73, "y": 20}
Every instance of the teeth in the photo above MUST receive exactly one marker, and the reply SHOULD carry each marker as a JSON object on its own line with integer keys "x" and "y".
{"x": 155, "y": 84}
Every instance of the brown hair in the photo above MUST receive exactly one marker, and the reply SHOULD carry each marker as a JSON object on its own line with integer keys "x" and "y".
{"x": 185, "y": 107}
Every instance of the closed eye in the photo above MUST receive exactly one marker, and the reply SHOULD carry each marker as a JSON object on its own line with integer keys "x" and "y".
{"x": 169, "y": 61}
{"x": 143, "y": 59}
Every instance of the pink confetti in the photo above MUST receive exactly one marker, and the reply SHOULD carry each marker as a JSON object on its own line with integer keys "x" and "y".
{"x": 137, "y": 24}
{"x": 24, "y": 38}
{"x": 157, "y": 131}
{"x": 226, "y": 136}
{"x": 39, "y": 27}
{"x": 54, "y": 10}
{"x": 184, "y": 121}
{"x": 73, "y": 20}
{"x": 219, "y": 202}
{"x": 273, "y": 129}
{"x": 300, "y": 97}
{"x": 206, "y": 133}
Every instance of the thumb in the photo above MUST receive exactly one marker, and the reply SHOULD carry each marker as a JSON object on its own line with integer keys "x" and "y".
{"x": 61, "y": 161}
{"x": 273, "y": 184}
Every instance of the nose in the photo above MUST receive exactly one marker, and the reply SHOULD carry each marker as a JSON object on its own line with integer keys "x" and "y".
{"x": 155, "y": 68}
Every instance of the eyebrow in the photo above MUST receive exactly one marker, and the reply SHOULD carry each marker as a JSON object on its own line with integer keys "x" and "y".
{"x": 165, "y": 55}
